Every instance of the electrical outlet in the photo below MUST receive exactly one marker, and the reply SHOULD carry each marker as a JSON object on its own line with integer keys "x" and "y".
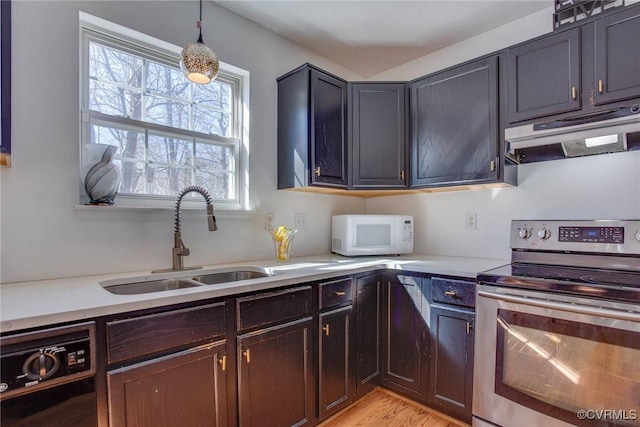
{"x": 471, "y": 221}
{"x": 300, "y": 221}
{"x": 268, "y": 221}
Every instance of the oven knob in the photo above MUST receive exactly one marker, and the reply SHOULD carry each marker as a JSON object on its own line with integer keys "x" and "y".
{"x": 524, "y": 233}
{"x": 544, "y": 233}
{"x": 41, "y": 366}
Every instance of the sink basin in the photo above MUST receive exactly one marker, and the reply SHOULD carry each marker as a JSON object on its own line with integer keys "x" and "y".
{"x": 136, "y": 288}
{"x": 183, "y": 280}
{"x": 229, "y": 276}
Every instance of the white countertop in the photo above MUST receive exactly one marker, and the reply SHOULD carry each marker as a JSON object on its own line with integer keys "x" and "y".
{"x": 40, "y": 303}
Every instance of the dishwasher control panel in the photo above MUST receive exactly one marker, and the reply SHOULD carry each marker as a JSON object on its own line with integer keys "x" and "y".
{"x": 41, "y": 359}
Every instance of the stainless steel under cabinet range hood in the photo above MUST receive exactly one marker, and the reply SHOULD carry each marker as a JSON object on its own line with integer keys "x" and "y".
{"x": 603, "y": 132}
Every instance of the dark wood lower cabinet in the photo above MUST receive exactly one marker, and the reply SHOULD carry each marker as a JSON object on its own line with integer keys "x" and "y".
{"x": 405, "y": 359}
{"x": 183, "y": 389}
{"x": 368, "y": 333}
{"x": 296, "y": 356}
{"x": 451, "y": 366}
{"x": 335, "y": 385}
{"x": 275, "y": 377}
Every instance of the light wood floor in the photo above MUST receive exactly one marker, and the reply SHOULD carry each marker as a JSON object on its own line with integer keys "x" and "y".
{"x": 382, "y": 408}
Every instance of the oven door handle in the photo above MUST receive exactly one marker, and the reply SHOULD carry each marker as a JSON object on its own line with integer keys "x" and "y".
{"x": 574, "y": 308}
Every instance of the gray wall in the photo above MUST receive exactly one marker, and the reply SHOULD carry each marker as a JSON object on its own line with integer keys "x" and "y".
{"x": 42, "y": 235}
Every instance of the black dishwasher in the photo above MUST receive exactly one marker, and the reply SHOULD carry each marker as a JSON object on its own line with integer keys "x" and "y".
{"x": 47, "y": 377}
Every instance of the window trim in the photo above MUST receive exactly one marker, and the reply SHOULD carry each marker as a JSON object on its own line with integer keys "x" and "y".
{"x": 109, "y": 33}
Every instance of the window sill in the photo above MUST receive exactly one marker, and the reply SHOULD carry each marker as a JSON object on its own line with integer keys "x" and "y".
{"x": 239, "y": 215}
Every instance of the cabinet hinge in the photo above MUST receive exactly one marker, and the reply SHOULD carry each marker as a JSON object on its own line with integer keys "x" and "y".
{"x": 223, "y": 363}
{"x": 317, "y": 171}
{"x": 325, "y": 328}
{"x": 247, "y": 355}
{"x": 468, "y": 328}
{"x": 402, "y": 175}
{"x": 493, "y": 165}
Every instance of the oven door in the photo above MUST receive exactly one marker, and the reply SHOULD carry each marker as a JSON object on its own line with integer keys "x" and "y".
{"x": 553, "y": 360}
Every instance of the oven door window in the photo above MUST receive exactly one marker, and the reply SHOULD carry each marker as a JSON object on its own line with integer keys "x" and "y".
{"x": 561, "y": 367}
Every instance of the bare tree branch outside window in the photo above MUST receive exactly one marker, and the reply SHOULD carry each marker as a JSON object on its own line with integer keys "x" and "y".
{"x": 130, "y": 90}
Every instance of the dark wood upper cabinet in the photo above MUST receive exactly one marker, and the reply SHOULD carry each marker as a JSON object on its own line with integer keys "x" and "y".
{"x": 617, "y": 57}
{"x": 544, "y": 76}
{"x": 378, "y": 129}
{"x": 582, "y": 70}
{"x": 312, "y": 126}
{"x": 5, "y": 86}
{"x": 455, "y": 136}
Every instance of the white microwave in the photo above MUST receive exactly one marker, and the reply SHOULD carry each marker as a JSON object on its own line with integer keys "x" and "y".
{"x": 353, "y": 235}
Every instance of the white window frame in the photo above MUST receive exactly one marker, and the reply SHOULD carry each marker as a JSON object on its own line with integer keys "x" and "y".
{"x": 142, "y": 45}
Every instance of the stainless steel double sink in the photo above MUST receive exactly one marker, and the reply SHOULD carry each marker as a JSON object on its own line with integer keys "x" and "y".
{"x": 183, "y": 280}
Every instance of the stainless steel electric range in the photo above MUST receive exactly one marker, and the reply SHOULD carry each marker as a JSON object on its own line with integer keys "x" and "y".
{"x": 558, "y": 329}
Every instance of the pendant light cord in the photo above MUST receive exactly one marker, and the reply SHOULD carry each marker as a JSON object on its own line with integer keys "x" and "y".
{"x": 199, "y": 25}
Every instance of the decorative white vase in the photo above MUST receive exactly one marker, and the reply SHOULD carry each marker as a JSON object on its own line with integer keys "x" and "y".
{"x": 100, "y": 177}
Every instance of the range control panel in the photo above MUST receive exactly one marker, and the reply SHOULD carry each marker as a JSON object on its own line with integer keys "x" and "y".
{"x": 598, "y": 236}
{"x": 591, "y": 234}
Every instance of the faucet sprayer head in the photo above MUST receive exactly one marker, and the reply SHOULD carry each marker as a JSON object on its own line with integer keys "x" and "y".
{"x": 211, "y": 219}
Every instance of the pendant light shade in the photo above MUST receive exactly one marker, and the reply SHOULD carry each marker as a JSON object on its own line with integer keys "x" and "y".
{"x": 199, "y": 63}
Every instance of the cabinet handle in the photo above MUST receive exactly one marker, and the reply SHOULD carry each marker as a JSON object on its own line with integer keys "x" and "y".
{"x": 600, "y": 86}
{"x": 574, "y": 93}
{"x": 247, "y": 355}
{"x": 223, "y": 363}
{"x": 317, "y": 171}
{"x": 468, "y": 328}
{"x": 401, "y": 174}
{"x": 451, "y": 293}
{"x": 340, "y": 293}
{"x": 325, "y": 328}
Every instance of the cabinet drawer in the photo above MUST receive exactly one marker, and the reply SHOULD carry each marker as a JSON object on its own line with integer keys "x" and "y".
{"x": 155, "y": 333}
{"x": 335, "y": 293}
{"x": 273, "y": 307}
{"x": 457, "y": 292}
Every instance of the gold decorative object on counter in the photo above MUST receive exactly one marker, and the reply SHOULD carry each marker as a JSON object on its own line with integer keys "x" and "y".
{"x": 282, "y": 239}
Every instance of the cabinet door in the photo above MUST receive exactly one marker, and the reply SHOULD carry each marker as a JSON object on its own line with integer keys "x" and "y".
{"x": 379, "y": 135}
{"x": 328, "y": 130}
{"x": 336, "y": 352}
{"x": 451, "y": 366}
{"x": 543, "y": 77}
{"x": 404, "y": 334}
{"x": 455, "y": 124}
{"x": 368, "y": 326}
{"x": 183, "y": 389}
{"x": 275, "y": 376}
{"x": 617, "y": 57}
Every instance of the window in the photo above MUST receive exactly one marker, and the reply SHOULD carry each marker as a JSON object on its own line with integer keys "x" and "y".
{"x": 170, "y": 133}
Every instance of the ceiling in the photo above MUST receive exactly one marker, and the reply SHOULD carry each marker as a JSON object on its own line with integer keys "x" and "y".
{"x": 372, "y": 36}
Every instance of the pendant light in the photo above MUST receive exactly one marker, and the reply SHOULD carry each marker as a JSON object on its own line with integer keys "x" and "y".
{"x": 199, "y": 63}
